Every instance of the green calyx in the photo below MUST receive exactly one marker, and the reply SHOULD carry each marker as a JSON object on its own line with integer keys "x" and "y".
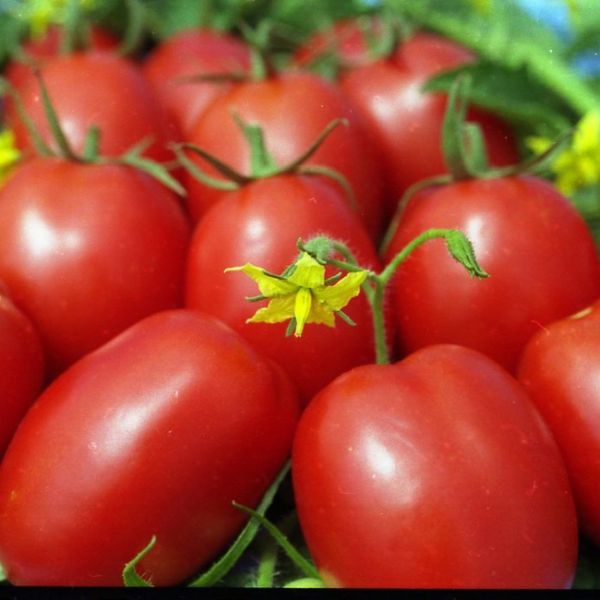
{"x": 262, "y": 163}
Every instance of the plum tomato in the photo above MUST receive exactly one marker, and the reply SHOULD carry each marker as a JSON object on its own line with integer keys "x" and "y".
{"x": 260, "y": 224}
{"x": 434, "y": 472}
{"x": 98, "y": 89}
{"x": 21, "y": 367}
{"x": 292, "y": 109}
{"x": 193, "y": 53}
{"x": 88, "y": 249}
{"x": 559, "y": 368}
{"x": 538, "y": 251}
{"x": 155, "y": 433}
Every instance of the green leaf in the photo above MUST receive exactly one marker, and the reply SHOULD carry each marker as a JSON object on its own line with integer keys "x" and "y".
{"x": 512, "y": 93}
{"x": 130, "y": 575}
{"x": 219, "y": 569}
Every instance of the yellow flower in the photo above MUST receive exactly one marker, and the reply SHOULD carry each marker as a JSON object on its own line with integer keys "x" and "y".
{"x": 9, "y": 154}
{"x": 579, "y": 165}
{"x": 302, "y": 295}
{"x": 40, "y": 14}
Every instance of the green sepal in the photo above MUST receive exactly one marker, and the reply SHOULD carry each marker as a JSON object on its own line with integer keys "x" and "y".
{"x": 152, "y": 168}
{"x": 135, "y": 28}
{"x": 131, "y": 578}
{"x": 461, "y": 249}
{"x": 305, "y": 583}
{"x": 293, "y": 554}
{"x": 91, "y": 144}
{"x": 219, "y": 569}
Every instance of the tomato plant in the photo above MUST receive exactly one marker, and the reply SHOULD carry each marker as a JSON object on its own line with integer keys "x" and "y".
{"x": 155, "y": 433}
{"x": 260, "y": 223}
{"x": 292, "y": 109}
{"x": 559, "y": 369}
{"x": 541, "y": 258}
{"x": 96, "y": 89}
{"x": 434, "y": 472}
{"x": 194, "y": 53}
{"x": 21, "y": 367}
{"x": 88, "y": 249}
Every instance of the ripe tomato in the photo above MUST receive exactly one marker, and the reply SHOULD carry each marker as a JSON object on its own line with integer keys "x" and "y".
{"x": 39, "y": 50}
{"x": 21, "y": 367}
{"x": 407, "y": 123}
{"x": 97, "y": 89}
{"x": 156, "y": 433}
{"x": 559, "y": 368}
{"x": 293, "y": 109}
{"x": 193, "y": 52}
{"x": 435, "y": 472}
{"x": 537, "y": 249}
{"x": 260, "y": 224}
{"x": 88, "y": 249}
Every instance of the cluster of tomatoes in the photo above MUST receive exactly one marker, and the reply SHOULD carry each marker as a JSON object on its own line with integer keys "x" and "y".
{"x": 135, "y": 399}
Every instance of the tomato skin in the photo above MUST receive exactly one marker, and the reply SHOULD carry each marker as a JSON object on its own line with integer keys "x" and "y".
{"x": 261, "y": 224}
{"x": 293, "y": 109}
{"x": 86, "y": 250}
{"x": 154, "y": 433}
{"x": 193, "y": 52}
{"x": 97, "y": 89}
{"x": 21, "y": 368}
{"x": 559, "y": 368}
{"x": 18, "y": 73}
{"x": 541, "y": 258}
{"x": 435, "y": 472}
{"x": 406, "y": 123}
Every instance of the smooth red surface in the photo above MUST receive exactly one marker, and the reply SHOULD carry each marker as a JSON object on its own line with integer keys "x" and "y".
{"x": 97, "y": 89}
{"x": 560, "y": 369}
{"x": 260, "y": 224}
{"x": 87, "y": 250}
{"x": 435, "y": 472}
{"x": 190, "y": 53}
{"x": 292, "y": 109}
{"x": 21, "y": 368}
{"x": 539, "y": 253}
{"x": 156, "y": 433}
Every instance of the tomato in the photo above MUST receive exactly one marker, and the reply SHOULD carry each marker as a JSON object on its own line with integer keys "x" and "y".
{"x": 156, "y": 433}
{"x": 189, "y": 53}
{"x": 537, "y": 249}
{"x": 88, "y": 249}
{"x": 559, "y": 369}
{"x": 97, "y": 89}
{"x": 39, "y": 50}
{"x": 434, "y": 472}
{"x": 260, "y": 224}
{"x": 407, "y": 123}
{"x": 21, "y": 367}
{"x": 293, "y": 109}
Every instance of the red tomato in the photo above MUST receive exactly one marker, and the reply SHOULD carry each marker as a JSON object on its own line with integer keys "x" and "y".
{"x": 21, "y": 368}
{"x": 193, "y": 52}
{"x": 86, "y": 250}
{"x": 260, "y": 224}
{"x": 292, "y": 109}
{"x": 407, "y": 123}
{"x": 101, "y": 89}
{"x": 559, "y": 368}
{"x": 435, "y": 472}
{"x": 156, "y": 433}
{"x": 537, "y": 249}
{"x": 38, "y": 50}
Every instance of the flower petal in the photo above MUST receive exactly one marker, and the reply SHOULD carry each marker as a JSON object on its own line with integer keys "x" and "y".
{"x": 302, "y": 309}
{"x": 308, "y": 272}
{"x": 269, "y": 285}
{"x": 278, "y": 310}
{"x": 338, "y": 295}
